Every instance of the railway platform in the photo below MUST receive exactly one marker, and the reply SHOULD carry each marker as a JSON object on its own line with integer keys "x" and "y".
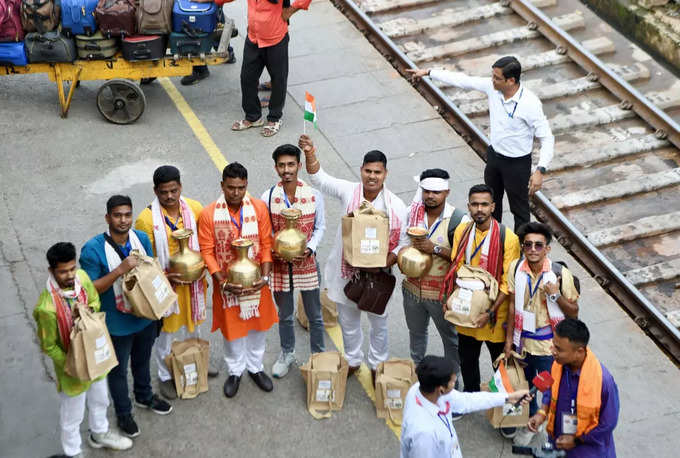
{"x": 68, "y": 169}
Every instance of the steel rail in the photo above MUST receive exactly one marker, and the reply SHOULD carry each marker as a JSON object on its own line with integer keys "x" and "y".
{"x": 645, "y": 314}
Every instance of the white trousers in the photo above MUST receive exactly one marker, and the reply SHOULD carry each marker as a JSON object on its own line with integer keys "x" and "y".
{"x": 245, "y": 353}
{"x": 353, "y": 338}
{"x": 72, "y": 412}
{"x": 163, "y": 346}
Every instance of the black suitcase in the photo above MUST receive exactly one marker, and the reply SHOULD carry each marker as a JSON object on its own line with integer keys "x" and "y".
{"x": 50, "y": 47}
{"x": 143, "y": 47}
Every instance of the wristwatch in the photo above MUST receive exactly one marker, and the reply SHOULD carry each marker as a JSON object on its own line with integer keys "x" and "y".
{"x": 265, "y": 278}
{"x": 554, "y": 297}
{"x": 541, "y": 169}
{"x": 437, "y": 250}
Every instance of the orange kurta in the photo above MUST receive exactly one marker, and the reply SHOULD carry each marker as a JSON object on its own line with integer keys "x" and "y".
{"x": 227, "y": 319}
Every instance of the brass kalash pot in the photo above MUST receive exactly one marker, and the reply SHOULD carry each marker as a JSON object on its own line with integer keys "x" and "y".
{"x": 412, "y": 262}
{"x": 290, "y": 242}
{"x": 187, "y": 262}
{"x": 243, "y": 272}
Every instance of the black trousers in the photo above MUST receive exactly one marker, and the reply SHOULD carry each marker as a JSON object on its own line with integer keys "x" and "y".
{"x": 469, "y": 349}
{"x": 275, "y": 59}
{"x": 511, "y": 175}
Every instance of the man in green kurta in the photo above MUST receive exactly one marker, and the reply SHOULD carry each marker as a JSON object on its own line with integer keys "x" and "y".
{"x": 67, "y": 287}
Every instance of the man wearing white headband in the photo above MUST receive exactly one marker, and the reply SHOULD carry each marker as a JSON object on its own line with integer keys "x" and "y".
{"x": 430, "y": 211}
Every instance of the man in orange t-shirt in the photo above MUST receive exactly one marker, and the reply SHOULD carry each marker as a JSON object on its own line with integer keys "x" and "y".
{"x": 265, "y": 46}
{"x": 243, "y": 315}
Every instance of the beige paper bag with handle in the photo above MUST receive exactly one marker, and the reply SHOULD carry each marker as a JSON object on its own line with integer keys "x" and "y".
{"x": 392, "y": 381}
{"x": 475, "y": 292}
{"x": 504, "y": 416}
{"x": 188, "y": 361}
{"x": 147, "y": 289}
{"x": 90, "y": 354}
{"x": 365, "y": 237}
{"x": 325, "y": 375}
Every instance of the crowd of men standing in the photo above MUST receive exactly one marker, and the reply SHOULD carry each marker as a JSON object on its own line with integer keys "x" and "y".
{"x": 534, "y": 314}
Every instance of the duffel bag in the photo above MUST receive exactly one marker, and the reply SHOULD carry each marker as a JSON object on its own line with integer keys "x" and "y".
{"x": 199, "y": 16}
{"x": 183, "y": 44}
{"x": 10, "y": 21}
{"x": 115, "y": 17}
{"x": 154, "y": 17}
{"x": 77, "y": 17}
{"x": 50, "y": 47}
{"x": 143, "y": 47}
{"x": 39, "y": 15}
{"x": 13, "y": 54}
{"x": 96, "y": 47}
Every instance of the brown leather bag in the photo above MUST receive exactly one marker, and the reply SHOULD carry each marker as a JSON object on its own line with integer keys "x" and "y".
{"x": 116, "y": 17}
{"x": 154, "y": 17}
{"x": 371, "y": 291}
{"x": 39, "y": 15}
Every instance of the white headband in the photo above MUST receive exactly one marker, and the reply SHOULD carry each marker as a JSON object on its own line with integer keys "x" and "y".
{"x": 434, "y": 184}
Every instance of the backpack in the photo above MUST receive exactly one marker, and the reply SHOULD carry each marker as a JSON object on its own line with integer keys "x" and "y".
{"x": 557, "y": 267}
{"x": 39, "y": 15}
{"x": 10, "y": 21}
{"x": 455, "y": 220}
{"x": 154, "y": 17}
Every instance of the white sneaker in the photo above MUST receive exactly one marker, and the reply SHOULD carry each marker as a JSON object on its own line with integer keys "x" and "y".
{"x": 282, "y": 364}
{"x": 110, "y": 440}
{"x": 523, "y": 437}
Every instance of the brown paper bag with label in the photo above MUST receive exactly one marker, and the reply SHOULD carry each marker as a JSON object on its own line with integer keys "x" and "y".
{"x": 392, "y": 381}
{"x": 325, "y": 375}
{"x": 90, "y": 354}
{"x": 503, "y": 417}
{"x": 147, "y": 289}
{"x": 188, "y": 361}
{"x": 467, "y": 303}
{"x": 365, "y": 237}
{"x": 329, "y": 311}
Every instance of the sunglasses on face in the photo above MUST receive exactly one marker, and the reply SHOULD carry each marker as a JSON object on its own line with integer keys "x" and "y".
{"x": 538, "y": 246}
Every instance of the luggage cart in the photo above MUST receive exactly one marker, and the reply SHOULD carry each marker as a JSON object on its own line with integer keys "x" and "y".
{"x": 120, "y": 99}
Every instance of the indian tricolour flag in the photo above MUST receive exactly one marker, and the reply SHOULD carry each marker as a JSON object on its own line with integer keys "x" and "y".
{"x": 500, "y": 383}
{"x": 310, "y": 108}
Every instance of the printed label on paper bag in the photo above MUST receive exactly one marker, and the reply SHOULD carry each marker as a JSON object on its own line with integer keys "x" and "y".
{"x": 101, "y": 355}
{"x": 190, "y": 374}
{"x": 462, "y": 302}
{"x": 160, "y": 288}
{"x": 100, "y": 342}
{"x": 371, "y": 232}
{"x": 394, "y": 394}
{"x": 394, "y": 403}
{"x": 324, "y": 392}
{"x": 370, "y": 246}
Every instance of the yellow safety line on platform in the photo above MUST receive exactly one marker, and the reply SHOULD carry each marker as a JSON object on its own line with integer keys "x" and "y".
{"x": 364, "y": 373}
{"x": 196, "y": 125}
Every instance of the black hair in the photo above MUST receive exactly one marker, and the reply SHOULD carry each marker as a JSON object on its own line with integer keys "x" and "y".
{"x": 574, "y": 330}
{"x": 375, "y": 156}
{"x": 117, "y": 201}
{"x": 434, "y": 371}
{"x": 165, "y": 174}
{"x": 534, "y": 227}
{"x": 61, "y": 252}
{"x": 234, "y": 170}
{"x": 434, "y": 173}
{"x": 510, "y": 67}
{"x": 480, "y": 189}
{"x": 286, "y": 150}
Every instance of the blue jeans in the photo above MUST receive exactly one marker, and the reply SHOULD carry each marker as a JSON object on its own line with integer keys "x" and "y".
{"x": 137, "y": 349}
{"x": 535, "y": 365}
{"x": 285, "y": 300}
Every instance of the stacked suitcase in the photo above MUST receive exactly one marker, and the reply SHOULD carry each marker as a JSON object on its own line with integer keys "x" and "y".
{"x": 65, "y": 30}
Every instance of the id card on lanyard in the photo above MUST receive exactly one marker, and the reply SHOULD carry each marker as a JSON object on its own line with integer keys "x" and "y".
{"x": 529, "y": 318}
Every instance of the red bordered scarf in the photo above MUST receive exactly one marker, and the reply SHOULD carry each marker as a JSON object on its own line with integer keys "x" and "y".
{"x": 305, "y": 275}
{"x": 395, "y": 223}
{"x": 61, "y": 300}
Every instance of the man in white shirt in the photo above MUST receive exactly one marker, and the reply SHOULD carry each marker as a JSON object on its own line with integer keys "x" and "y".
{"x": 427, "y": 429}
{"x": 337, "y": 272}
{"x": 516, "y": 117}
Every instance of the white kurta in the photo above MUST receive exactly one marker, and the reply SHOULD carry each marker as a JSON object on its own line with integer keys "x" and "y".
{"x": 427, "y": 429}
{"x": 343, "y": 190}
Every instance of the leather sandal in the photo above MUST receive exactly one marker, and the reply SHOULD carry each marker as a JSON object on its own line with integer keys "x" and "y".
{"x": 271, "y": 128}
{"x": 244, "y": 124}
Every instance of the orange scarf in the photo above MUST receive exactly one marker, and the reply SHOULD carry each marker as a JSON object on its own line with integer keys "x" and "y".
{"x": 588, "y": 395}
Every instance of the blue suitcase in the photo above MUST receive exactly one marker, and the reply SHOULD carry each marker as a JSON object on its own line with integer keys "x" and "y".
{"x": 77, "y": 17}
{"x": 200, "y": 17}
{"x": 13, "y": 53}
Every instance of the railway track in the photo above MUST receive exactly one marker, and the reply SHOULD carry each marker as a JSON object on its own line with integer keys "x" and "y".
{"x": 612, "y": 195}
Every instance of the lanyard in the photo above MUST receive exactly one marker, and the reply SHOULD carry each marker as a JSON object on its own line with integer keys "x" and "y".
{"x": 239, "y": 225}
{"x": 572, "y": 393}
{"x": 126, "y": 248}
{"x": 173, "y": 227}
{"x": 538, "y": 282}
{"x": 445, "y": 420}
{"x": 474, "y": 253}
{"x": 285, "y": 199}
{"x": 434, "y": 228}
{"x": 512, "y": 115}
